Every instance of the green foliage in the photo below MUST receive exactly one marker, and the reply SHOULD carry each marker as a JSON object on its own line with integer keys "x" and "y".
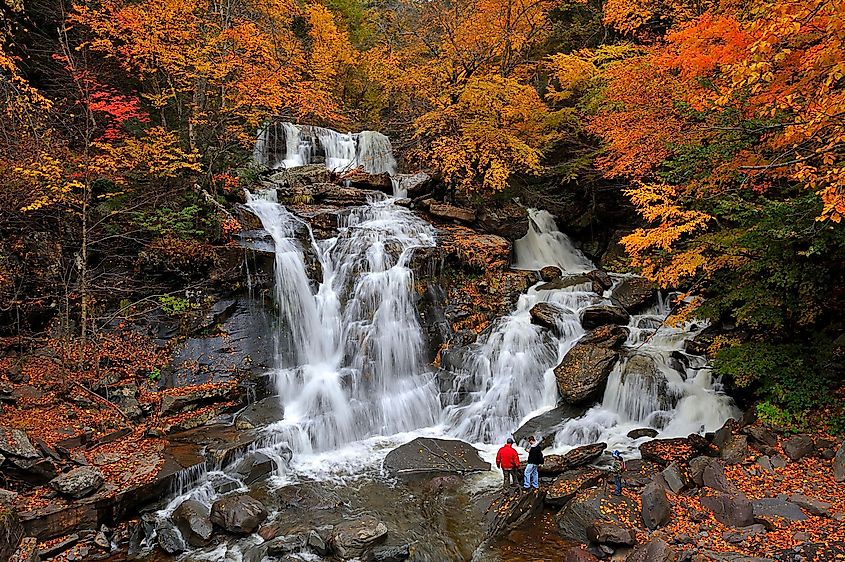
{"x": 154, "y": 375}
{"x": 180, "y": 222}
{"x": 174, "y": 306}
{"x": 774, "y": 416}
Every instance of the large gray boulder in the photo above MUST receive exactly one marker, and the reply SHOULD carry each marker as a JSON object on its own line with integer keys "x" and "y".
{"x": 602, "y": 315}
{"x": 351, "y": 538}
{"x": 240, "y": 514}
{"x": 15, "y": 443}
{"x": 79, "y": 482}
{"x": 254, "y": 467}
{"x": 733, "y": 510}
{"x": 544, "y": 426}
{"x": 582, "y": 375}
{"x": 634, "y": 294}
{"x": 425, "y": 454}
{"x": 656, "y": 510}
{"x": 778, "y": 507}
{"x": 579, "y": 456}
{"x": 813, "y": 506}
{"x": 589, "y": 506}
{"x": 192, "y": 520}
{"x": 655, "y": 550}
{"x": 611, "y": 533}
{"x": 259, "y": 414}
{"x": 547, "y": 315}
{"x": 798, "y": 446}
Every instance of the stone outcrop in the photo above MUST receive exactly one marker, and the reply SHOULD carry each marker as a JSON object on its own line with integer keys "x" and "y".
{"x": 733, "y": 510}
{"x": 602, "y": 315}
{"x": 508, "y": 221}
{"x": 634, "y": 294}
{"x": 550, "y": 273}
{"x": 656, "y": 510}
{"x": 798, "y": 447}
{"x": 590, "y": 506}
{"x": 547, "y": 315}
{"x": 192, "y": 520}
{"x": 544, "y": 426}
{"x": 579, "y": 456}
{"x": 508, "y": 511}
{"x": 239, "y": 514}
{"x": 567, "y": 484}
{"x": 610, "y": 533}
{"x": 79, "y": 482}
{"x": 351, "y": 538}
{"x": 583, "y": 373}
{"x": 425, "y": 454}
{"x": 445, "y": 211}
{"x": 260, "y": 414}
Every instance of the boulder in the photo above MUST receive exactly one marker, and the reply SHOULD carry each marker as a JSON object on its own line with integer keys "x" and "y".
{"x": 582, "y": 375}
{"x": 674, "y": 478}
{"x": 509, "y": 220}
{"x": 425, "y": 454}
{"x": 713, "y": 477}
{"x": 762, "y": 435}
{"x": 361, "y": 179}
{"x": 79, "y": 482}
{"x": 655, "y": 550}
{"x": 550, "y": 273}
{"x": 601, "y": 281}
{"x": 27, "y": 551}
{"x": 641, "y": 369}
{"x": 656, "y": 510}
{"x": 544, "y": 426}
{"x": 578, "y": 554}
{"x": 643, "y": 432}
{"x": 839, "y": 464}
{"x": 798, "y": 446}
{"x": 189, "y": 399}
{"x": 336, "y": 196}
{"x": 169, "y": 539}
{"x": 610, "y": 533}
{"x": 388, "y": 554}
{"x": 778, "y": 507}
{"x": 733, "y": 510}
{"x": 414, "y": 185}
{"x": 566, "y": 485}
{"x": 579, "y": 456}
{"x": 602, "y": 315}
{"x": 254, "y": 467}
{"x": 508, "y": 511}
{"x": 667, "y": 451}
{"x": 15, "y": 443}
{"x": 546, "y": 315}
{"x": 735, "y": 449}
{"x": 812, "y": 506}
{"x": 741, "y": 535}
{"x": 240, "y": 514}
{"x": 451, "y": 212}
{"x": 11, "y": 531}
{"x": 564, "y": 283}
{"x": 634, "y": 294}
{"x": 729, "y": 428}
{"x": 593, "y": 505}
{"x": 191, "y": 518}
{"x": 288, "y": 544}
{"x": 351, "y": 538}
{"x": 260, "y": 414}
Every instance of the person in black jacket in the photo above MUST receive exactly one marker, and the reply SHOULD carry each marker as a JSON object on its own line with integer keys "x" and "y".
{"x": 535, "y": 459}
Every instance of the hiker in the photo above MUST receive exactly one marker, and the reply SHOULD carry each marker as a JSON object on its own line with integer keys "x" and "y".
{"x": 508, "y": 460}
{"x": 532, "y": 467}
{"x": 617, "y": 467}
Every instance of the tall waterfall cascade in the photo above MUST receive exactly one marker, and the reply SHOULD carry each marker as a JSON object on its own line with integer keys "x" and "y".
{"x": 508, "y": 376}
{"x": 349, "y": 357}
{"x": 287, "y": 145}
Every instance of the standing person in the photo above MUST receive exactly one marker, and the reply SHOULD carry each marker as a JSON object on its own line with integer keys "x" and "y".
{"x": 532, "y": 467}
{"x": 508, "y": 460}
{"x": 617, "y": 467}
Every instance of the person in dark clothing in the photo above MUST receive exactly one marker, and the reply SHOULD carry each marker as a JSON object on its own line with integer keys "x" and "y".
{"x": 508, "y": 460}
{"x": 532, "y": 467}
{"x": 617, "y": 467}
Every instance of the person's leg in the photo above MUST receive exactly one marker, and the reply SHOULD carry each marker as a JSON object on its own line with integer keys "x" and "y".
{"x": 506, "y": 478}
{"x": 617, "y": 480}
{"x": 535, "y": 477}
{"x": 527, "y": 479}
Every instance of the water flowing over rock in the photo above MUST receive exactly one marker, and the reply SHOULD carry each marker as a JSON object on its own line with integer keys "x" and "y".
{"x": 547, "y": 315}
{"x": 545, "y": 245}
{"x": 584, "y": 371}
{"x": 424, "y": 454}
{"x": 634, "y": 293}
{"x": 192, "y": 520}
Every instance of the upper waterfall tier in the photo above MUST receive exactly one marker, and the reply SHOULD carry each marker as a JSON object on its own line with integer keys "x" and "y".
{"x": 288, "y": 145}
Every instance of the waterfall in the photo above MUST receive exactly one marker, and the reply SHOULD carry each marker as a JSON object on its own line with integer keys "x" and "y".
{"x": 354, "y": 367}
{"x": 508, "y": 376}
{"x": 307, "y": 144}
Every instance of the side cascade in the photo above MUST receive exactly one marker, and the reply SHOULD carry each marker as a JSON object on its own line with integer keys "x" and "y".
{"x": 508, "y": 376}
{"x": 287, "y": 145}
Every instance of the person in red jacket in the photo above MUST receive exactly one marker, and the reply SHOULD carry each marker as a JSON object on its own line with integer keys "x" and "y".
{"x": 508, "y": 460}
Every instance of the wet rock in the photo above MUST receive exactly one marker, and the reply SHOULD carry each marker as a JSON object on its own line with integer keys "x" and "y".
{"x": 509, "y": 220}
{"x": 319, "y": 542}
{"x": 579, "y": 456}
{"x": 777, "y": 507}
{"x": 634, "y": 294}
{"x": 415, "y": 185}
{"x": 570, "y": 482}
{"x": 351, "y": 538}
{"x": 812, "y": 506}
{"x": 741, "y": 535}
{"x": 798, "y": 447}
{"x": 15, "y": 443}
{"x": 713, "y": 477}
{"x": 643, "y": 369}
{"x": 192, "y": 520}
{"x": 544, "y": 426}
{"x": 601, "y": 281}
{"x": 712, "y": 556}
{"x": 589, "y": 506}
{"x": 733, "y": 510}
{"x": 674, "y": 478}
{"x": 425, "y": 454}
{"x": 329, "y": 194}
{"x": 735, "y": 449}
{"x": 644, "y": 432}
{"x": 389, "y": 554}
{"x": 609, "y": 533}
{"x": 578, "y": 554}
{"x": 839, "y": 464}
{"x": 301, "y": 175}
{"x": 546, "y": 315}
{"x": 11, "y": 531}
{"x": 639, "y": 473}
{"x": 564, "y": 283}
{"x": 255, "y": 467}
{"x": 655, "y": 550}
{"x": 361, "y": 179}
{"x": 79, "y": 482}
{"x": 27, "y": 551}
{"x": 451, "y": 212}
{"x": 602, "y": 315}
{"x": 667, "y": 451}
{"x": 762, "y": 435}
{"x": 288, "y": 544}
{"x": 697, "y": 466}
{"x": 656, "y": 510}
{"x": 260, "y": 414}
{"x": 508, "y": 511}
{"x": 582, "y": 375}
{"x": 188, "y": 400}
{"x": 38, "y": 472}
{"x": 550, "y": 273}
{"x": 240, "y": 514}
{"x": 169, "y": 539}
